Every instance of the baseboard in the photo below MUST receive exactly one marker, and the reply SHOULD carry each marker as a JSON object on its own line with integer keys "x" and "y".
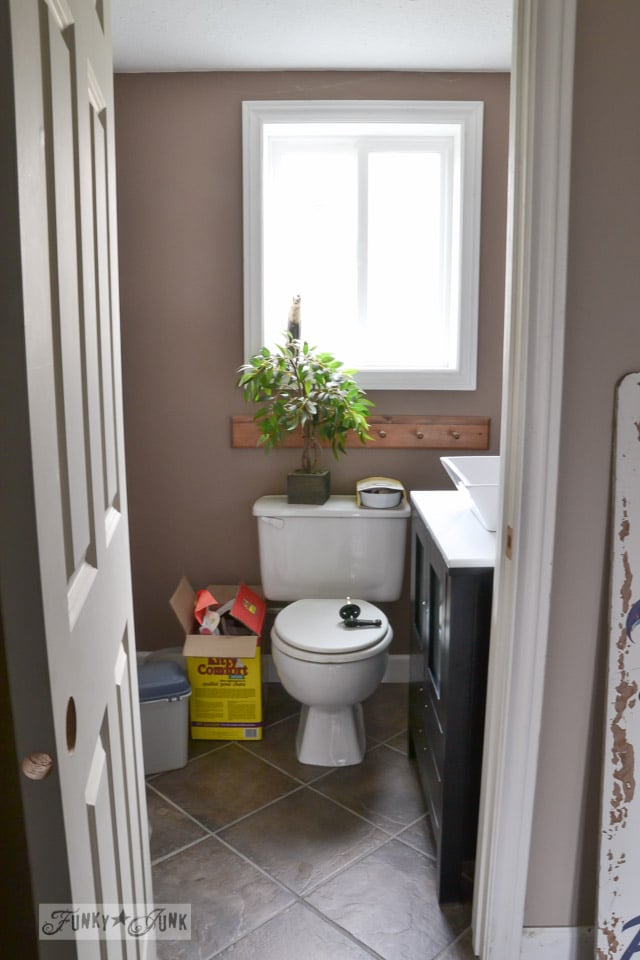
{"x": 558, "y": 943}
{"x": 397, "y": 669}
{"x": 269, "y": 674}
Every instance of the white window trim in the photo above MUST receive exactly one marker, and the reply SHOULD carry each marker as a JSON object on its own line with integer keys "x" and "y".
{"x": 469, "y": 114}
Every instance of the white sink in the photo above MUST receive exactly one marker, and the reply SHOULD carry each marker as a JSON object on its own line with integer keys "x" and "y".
{"x": 478, "y": 478}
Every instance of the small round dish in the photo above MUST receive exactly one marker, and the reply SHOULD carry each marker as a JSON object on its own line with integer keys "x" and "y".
{"x": 380, "y": 498}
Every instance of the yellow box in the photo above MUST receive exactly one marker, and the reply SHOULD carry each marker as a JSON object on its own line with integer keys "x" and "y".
{"x": 224, "y": 671}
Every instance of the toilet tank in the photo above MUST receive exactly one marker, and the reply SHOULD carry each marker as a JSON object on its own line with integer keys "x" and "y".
{"x": 337, "y": 549}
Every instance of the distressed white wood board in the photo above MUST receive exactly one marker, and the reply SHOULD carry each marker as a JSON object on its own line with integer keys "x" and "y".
{"x": 618, "y": 935}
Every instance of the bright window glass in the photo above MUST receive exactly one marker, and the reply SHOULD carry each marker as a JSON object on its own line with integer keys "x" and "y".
{"x": 371, "y": 213}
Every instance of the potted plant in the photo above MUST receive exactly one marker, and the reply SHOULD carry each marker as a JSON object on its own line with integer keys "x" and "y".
{"x": 301, "y": 388}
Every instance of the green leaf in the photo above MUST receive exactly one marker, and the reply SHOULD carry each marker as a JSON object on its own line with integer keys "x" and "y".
{"x": 299, "y": 387}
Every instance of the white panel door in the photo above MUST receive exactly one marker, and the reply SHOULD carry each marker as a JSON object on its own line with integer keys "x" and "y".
{"x": 80, "y": 582}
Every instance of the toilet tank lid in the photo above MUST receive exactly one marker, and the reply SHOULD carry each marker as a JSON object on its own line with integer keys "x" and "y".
{"x": 335, "y": 506}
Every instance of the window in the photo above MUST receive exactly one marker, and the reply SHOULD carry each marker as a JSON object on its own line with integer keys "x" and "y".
{"x": 370, "y": 210}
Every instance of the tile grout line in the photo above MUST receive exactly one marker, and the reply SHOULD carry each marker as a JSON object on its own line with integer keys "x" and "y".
{"x": 297, "y": 901}
{"x": 207, "y": 753}
{"x": 339, "y": 870}
{"x": 174, "y": 853}
{"x": 362, "y": 856}
{"x": 302, "y": 898}
{"x": 345, "y": 932}
{"x": 330, "y": 876}
{"x": 299, "y": 898}
{"x": 413, "y": 846}
{"x": 268, "y": 876}
{"x": 443, "y": 952}
{"x": 354, "y": 813}
{"x": 216, "y": 833}
{"x": 439, "y": 956}
{"x": 177, "y": 807}
{"x": 310, "y": 784}
{"x": 265, "y": 806}
{"x": 213, "y": 832}
{"x": 391, "y": 834}
{"x": 275, "y": 766}
{"x": 221, "y": 745}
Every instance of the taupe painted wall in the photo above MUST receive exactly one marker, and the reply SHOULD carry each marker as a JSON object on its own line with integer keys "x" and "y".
{"x": 602, "y": 344}
{"x": 179, "y": 165}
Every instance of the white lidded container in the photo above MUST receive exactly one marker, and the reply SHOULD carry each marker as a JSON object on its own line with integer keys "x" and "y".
{"x": 164, "y": 715}
{"x": 336, "y": 549}
{"x": 478, "y": 478}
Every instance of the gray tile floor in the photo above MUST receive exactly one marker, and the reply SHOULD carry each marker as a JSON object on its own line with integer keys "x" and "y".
{"x": 282, "y": 861}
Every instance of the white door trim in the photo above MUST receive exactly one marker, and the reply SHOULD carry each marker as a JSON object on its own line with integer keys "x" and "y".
{"x": 538, "y": 225}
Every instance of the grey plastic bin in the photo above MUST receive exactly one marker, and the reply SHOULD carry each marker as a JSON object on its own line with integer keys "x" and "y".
{"x": 164, "y": 714}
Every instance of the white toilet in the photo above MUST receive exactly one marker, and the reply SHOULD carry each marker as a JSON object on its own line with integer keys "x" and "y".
{"x": 323, "y": 558}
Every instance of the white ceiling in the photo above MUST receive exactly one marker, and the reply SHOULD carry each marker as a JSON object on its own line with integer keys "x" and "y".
{"x": 176, "y": 35}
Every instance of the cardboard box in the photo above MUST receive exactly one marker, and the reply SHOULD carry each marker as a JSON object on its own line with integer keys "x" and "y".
{"x": 224, "y": 671}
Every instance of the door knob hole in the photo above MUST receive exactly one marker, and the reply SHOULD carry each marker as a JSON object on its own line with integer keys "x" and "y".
{"x": 71, "y": 725}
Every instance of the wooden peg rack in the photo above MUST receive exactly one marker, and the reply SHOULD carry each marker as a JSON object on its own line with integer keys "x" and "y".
{"x": 392, "y": 433}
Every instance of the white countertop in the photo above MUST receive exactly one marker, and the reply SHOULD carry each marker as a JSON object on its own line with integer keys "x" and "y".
{"x": 460, "y": 536}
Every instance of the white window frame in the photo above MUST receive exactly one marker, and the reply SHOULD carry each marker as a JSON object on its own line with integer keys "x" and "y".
{"x": 467, "y": 118}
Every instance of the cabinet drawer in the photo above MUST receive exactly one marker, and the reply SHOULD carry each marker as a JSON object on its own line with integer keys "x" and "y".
{"x": 425, "y": 713}
{"x": 433, "y": 785}
{"x": 435, "y": 732}
{"x": 417, "y": 721}
{"x": 429, "y": 769}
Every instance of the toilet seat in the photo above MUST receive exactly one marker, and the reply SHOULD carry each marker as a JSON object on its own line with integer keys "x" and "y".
{"x": 313, "y": 630}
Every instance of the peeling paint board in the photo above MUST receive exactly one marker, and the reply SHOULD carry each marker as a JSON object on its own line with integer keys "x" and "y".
{"x": 618, "y": 935}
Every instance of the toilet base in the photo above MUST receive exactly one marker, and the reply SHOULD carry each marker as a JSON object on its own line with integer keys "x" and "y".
{"x": 331, "y": 738}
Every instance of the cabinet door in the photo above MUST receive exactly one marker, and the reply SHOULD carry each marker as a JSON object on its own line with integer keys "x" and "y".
{"x": 427, "y": 665}
{"x": 419, "y": 602}
{"x": 436, "y": 687}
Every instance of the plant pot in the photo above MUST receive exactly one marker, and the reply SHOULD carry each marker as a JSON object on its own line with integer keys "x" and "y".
{"x": 308, "y": 487}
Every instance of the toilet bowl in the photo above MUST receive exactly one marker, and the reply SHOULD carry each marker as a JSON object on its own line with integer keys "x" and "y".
{"x": 330, "y": 669}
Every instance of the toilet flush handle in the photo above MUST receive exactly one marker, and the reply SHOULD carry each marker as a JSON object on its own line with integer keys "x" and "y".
{"x": 363, "y": 623}
{"x": 277, "y": 522}
{"x": 350, "y": 613}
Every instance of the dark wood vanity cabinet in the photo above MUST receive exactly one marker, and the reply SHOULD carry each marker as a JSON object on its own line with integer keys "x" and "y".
{"x": 452, "y": 581}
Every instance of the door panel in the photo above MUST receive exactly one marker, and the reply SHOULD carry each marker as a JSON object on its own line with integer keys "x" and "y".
{"x": 78, "y": 570}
